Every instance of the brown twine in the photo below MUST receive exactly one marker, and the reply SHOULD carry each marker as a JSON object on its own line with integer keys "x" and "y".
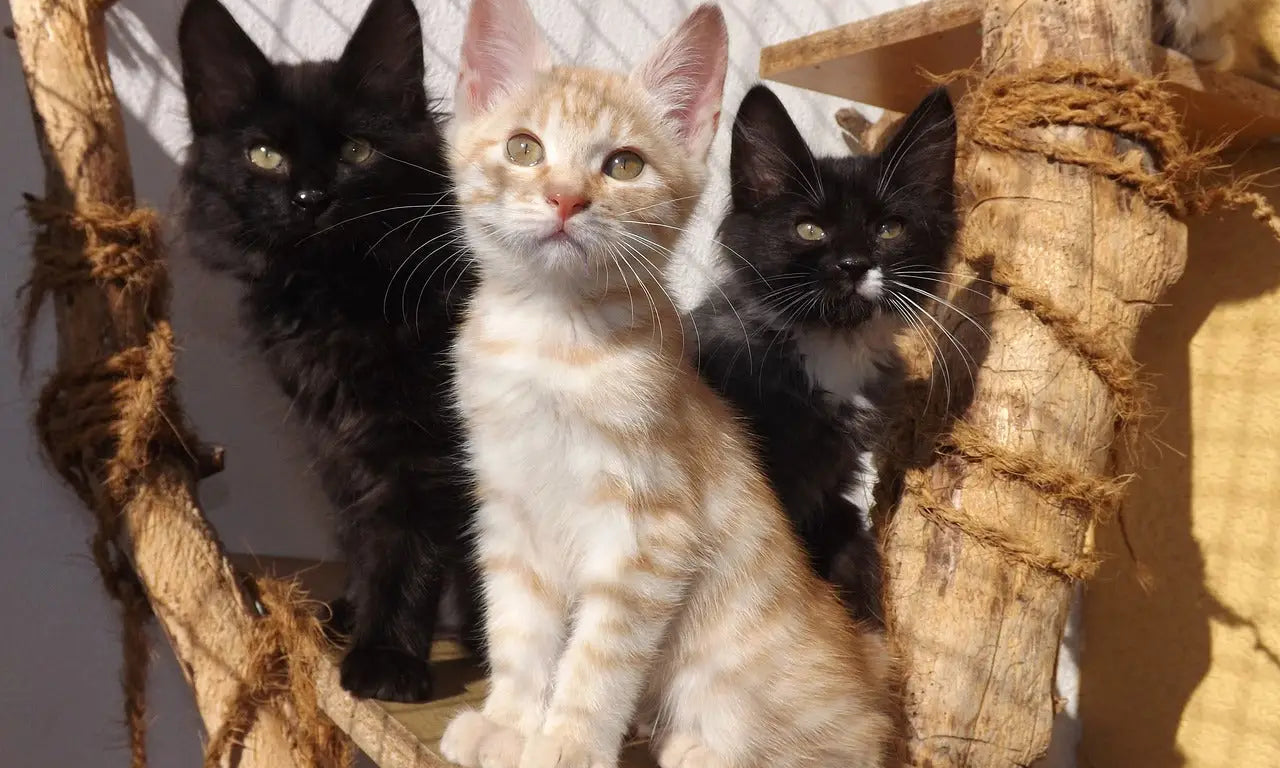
{"x": 1104, "y": 354}
{"x": 286, "y": 652}
{"x": 103, "y": 423}
{"x": 1026, "y": 551}
{"x": 116, "y": 246}
{"x": 100, "y": 422}
{"x": 1002, "y": 113}
{"x": 1087, "y": 494}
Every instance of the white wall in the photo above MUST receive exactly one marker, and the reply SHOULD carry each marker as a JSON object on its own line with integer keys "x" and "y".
{"x": 59, "y": 651}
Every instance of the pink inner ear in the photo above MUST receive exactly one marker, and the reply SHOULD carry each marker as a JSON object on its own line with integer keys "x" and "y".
{"x": 502, "y": 50}
{"x": 686, "y": 73}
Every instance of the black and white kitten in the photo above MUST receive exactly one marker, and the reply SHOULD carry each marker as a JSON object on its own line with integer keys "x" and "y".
{"x": 828, "y": 254}
{"x": 321, "y": 186}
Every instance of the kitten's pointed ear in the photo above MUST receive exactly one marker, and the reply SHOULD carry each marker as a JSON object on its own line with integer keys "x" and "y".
{"x": 384, "y": 54}
{"x": 769, "y": 156}
{"x": 222, "y": 70}
{"x": 686, "y": 74}
{"x": 502, "y": 51}
{"x": 923, "y": 151}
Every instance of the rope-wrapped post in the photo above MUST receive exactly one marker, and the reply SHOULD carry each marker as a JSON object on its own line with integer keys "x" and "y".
{"x": 1068, "y": 243}
{"x": 110, "y": 424}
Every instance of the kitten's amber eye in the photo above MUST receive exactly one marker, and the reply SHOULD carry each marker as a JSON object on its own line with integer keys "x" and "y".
{"x": 807, "y": 230}
{"x": 624, "y": 165}
{"x": 889, "y": 229}
{"x": 355, "y": 151}
{"x": 523, "y": 149}
{"x": 265, "y": 157}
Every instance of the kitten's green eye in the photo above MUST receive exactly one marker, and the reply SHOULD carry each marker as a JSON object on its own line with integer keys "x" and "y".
{"x": 807, "y": 230}
{"x": 523, "y": 149}
{"x": 624, "y": 165}
{"x": 889, "y": 229}
{"x": 355, "y": 151}
{"x": 265, "y": 157}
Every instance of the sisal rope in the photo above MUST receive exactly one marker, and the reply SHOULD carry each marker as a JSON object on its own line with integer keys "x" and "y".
{"x": 102, "y": 424}
{"x": 286, "y": 652}
{"x": 1003, "y": 113}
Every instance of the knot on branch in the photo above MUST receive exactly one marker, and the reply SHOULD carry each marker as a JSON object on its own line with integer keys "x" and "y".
{"x": 106, "y": 421}
{"x": 92, "y": 244}
{"x": 285, "y": 658}
{"x": 102, "y": 423}
{"x": 1003, "y": 111}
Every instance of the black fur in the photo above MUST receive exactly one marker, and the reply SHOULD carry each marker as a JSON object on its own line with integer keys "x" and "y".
{"x": 780, "y": 283}
{"x": 352, "y": 303}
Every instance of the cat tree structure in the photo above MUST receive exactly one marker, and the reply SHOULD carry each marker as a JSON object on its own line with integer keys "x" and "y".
{"x": 1074, "y": 181}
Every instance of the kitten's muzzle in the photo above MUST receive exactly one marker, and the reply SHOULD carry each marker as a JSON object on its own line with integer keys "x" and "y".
{"x": 312, "y": 201}
{"x": 567, "y": 205}
{"x": 854, "y": 269}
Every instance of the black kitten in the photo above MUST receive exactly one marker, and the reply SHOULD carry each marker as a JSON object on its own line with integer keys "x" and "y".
{"x": 829, "y": 254}
{"x": 322, "y": 187}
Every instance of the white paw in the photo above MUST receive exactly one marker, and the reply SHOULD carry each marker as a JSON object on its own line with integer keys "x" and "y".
{"x": 461, "y": 741}
{"x": 547, "y": 751}
{"x": 687, "y": 752}
{"x": 502, "y": 748}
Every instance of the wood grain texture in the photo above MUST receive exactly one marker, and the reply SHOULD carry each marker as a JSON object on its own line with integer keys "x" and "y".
{"x": 980, "y": 634}
{"x": 882, "y": 61}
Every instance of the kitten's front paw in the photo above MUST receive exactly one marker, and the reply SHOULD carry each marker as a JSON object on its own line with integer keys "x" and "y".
{"x": 501, "y": 749}
{"x": 386, "y": 674}
{"x": 466, "y": 741}
{"x": 548, "y": 751}
{"x": 687, "y": 752}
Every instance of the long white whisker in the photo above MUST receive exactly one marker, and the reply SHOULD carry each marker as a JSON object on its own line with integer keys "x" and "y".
{"x": 944, "y": 303}
{"x": 939, "y": 360}
{"x": 431, "y": 207}
{"x": 404, "y": 292}
{"x": 412, "y": 165}
{"x": 715, "y": 283}
{"x": 965, "y": 357}
{"x": 408, "y": 259}
{"x": 653, "y": 305}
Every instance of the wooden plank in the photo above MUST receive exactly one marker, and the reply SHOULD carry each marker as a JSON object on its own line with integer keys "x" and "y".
{"x": 882, "y": 61}
{"x": 396, "y": 735}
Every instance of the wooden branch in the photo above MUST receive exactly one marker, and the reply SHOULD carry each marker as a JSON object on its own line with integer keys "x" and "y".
{"x": 862, "y": 136}
{"x": 192, "y": 589}
{"x": 979, "y": 631}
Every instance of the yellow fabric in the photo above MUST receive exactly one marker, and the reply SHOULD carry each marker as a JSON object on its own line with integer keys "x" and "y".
{"x": 1189, "y": 673}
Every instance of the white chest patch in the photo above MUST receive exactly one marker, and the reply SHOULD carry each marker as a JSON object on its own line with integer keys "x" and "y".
{"x": 845, "y": 363}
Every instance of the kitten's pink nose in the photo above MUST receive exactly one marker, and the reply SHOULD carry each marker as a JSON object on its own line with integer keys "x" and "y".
{"x": 567, "y": 205}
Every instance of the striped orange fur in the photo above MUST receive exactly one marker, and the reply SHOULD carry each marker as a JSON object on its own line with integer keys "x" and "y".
{"x": 635, "y": 562}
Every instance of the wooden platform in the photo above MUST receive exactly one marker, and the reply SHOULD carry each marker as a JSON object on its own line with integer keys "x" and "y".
{"x": 882, "y": 61}
{"x": 396, "y": 735}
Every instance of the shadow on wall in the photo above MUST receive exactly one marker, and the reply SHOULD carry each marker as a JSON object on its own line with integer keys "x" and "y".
{"x": 1147, "y": 653}
{"x": 268, "y": 500}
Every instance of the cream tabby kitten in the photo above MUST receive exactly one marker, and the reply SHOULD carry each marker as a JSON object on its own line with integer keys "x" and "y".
{"x": 635, "y": 563}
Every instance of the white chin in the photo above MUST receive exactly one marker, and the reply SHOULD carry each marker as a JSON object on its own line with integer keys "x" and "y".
{"x": 561, "y": 256}
{"x": 871, "y": 286}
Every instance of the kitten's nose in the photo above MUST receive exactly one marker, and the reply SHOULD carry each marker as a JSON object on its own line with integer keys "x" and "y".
{"x": 854, "y": 268}
{"x": 567, "y": 205}
{"x": 310, "y": 200}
